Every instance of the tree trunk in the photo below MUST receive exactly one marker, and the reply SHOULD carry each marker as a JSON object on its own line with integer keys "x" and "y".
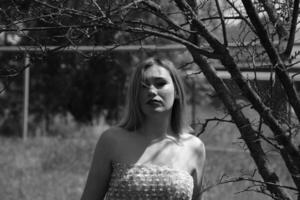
{"x": 248, "y": 134}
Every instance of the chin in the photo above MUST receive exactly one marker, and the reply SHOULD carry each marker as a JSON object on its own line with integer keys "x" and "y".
{"x": 155, "y": 111}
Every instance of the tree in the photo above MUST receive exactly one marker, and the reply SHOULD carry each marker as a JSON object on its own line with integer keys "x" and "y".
{"x": 266, "y": 34}
{"x": 60, "y": 84}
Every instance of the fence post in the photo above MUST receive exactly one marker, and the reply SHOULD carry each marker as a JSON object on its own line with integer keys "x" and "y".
{"x": 26, "y": 97}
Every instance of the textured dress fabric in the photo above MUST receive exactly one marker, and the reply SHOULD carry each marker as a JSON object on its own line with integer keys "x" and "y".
{"x": 149, "y": 182}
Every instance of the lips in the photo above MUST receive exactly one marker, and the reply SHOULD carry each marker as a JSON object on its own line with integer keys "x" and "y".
{"x": 154, "y": 102}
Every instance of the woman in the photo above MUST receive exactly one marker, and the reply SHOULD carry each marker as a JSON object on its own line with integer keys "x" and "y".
{"x": 150, "y": 155}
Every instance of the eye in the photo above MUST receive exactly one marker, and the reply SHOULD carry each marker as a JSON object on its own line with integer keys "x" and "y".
{"x": 160, "y": 83}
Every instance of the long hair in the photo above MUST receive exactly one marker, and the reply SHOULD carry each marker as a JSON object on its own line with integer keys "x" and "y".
{"x": 134, "y": 117}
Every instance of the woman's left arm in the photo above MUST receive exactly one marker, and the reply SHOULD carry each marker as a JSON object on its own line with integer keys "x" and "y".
{"x": 199, "y": 158}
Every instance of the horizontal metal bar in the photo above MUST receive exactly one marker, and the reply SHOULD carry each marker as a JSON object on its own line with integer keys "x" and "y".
{"x": 262, "y": 76}
{"x": 19, "y": 48}
{"x": 91, "y": 48}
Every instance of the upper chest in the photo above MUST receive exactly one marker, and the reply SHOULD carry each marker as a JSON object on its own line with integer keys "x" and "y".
{"x": 168, "y": 152}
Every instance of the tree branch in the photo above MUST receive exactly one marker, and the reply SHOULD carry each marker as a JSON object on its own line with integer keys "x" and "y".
{"x": 294, "y": 155}
{"x": 155, "y": 9}
{"x": 291, "y": 39}
{"x": 248, "y": 133}
{"x": 238, "y": 179}
{"x": 205, "y": 124}
{"x": 280, "y": 68}
{"x": 223, "y": 23}
{"x": 229, "y": 63}
{"x": 290, "y": 153}
{"x": 274, "y": 18}
{"x": 161, "y": 34}
{"x": 67, "y": 10}
{"x": 99, "y": 8}
{"x": 241, "y": 15}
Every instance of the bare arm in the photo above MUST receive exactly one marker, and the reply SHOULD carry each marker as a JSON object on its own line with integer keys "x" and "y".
{"x": 99, "y": 174}
{"x": 200, "y": 157}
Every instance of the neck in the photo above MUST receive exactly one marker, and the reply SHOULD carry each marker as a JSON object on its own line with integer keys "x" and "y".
{"x": 156, "y": 127}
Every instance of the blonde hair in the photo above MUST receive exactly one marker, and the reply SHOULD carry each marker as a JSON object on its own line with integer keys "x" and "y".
{"x": 134, "y": 117}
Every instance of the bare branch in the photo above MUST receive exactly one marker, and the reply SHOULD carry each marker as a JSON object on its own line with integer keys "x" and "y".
{"x": 229, "y": 63}
{"x": 223, "y": 23}
{"x": 274, "y": 57}
{"x": 155, "y": 9}
{"x": 248, "y": 133}
{"x": 241, "y": 15}
{"x": 249, "y": 179}
{"x": 205, "y": 124}
{"x": 165, "y": 35}
{"x": 133, "y": 4}
{"x": 291, "y": 154}
{"x": 291, "y": 39}
{"x": 99, "y": 8}
{"x": 274, "y": 18}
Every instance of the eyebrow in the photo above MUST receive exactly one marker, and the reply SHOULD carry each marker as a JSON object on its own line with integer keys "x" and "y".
{"x": 155, "y": 78}
{"x": 145, "y": 80}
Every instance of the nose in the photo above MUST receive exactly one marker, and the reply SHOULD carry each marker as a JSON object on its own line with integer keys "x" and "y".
{"x": 152, "y": 90}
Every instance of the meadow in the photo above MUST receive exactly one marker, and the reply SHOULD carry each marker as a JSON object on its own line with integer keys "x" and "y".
{"x": 55, "y": 168}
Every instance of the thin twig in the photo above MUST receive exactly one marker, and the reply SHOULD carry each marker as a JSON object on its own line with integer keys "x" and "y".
{"x": 224, "y": 31}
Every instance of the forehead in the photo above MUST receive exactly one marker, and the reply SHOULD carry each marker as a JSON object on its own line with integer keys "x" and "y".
{"x": 156, "y": 71}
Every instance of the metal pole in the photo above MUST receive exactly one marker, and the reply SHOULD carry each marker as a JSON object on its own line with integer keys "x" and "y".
{"x": 26, "y": 97}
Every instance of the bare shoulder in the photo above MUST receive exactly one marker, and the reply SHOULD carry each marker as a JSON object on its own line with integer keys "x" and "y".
{"x": 110, "y": 138}
{"x": 112, "y": 134}
{"x": 195, "y": 146}
{"x": 193, "y": 141}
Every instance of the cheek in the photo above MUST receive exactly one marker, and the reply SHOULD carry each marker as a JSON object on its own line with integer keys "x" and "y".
{"x": 169, "y": 94}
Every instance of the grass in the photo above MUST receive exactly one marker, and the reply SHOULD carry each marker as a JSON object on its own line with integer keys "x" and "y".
{"x": 50, "y": 168}
{"x": 43, "y": 168}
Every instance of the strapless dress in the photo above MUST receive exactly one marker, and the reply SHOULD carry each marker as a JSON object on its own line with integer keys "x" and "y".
{"x": 148, "y": 182}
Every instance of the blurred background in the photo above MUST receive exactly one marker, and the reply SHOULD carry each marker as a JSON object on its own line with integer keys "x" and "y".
{"x": 55, "y": 102}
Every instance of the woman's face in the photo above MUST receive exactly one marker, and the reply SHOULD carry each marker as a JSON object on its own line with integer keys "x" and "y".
{"x": 157, "y": 92}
